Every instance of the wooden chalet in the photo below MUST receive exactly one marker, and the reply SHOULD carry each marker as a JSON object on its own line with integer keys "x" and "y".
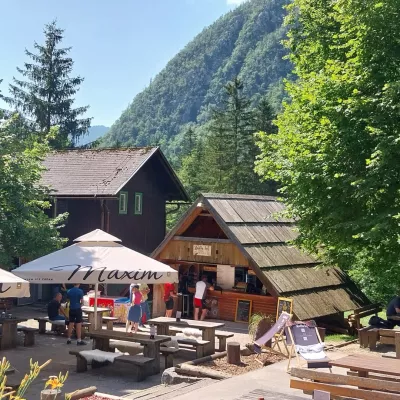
{"x": 121, "y": 191}
{"x": 241, "y": 244}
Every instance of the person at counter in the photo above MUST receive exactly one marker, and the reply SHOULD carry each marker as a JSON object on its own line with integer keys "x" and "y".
{"x": 169, "y": 294}
{"x": 199, "y": 297}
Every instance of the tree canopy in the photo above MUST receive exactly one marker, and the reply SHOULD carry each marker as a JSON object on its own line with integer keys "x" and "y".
{"x": 336, "y": 154}
{"x": 46, "y": 94}
{"x": 25, "y": 229}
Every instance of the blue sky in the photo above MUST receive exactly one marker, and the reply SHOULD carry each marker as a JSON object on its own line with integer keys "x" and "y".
{"x": 118, "y": 46}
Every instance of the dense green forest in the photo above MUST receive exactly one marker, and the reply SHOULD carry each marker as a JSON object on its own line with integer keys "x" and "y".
{"x": 245, "y": 42}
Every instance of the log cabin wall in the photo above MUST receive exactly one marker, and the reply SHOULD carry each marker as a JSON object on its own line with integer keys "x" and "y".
{"x": 222, "y": 252}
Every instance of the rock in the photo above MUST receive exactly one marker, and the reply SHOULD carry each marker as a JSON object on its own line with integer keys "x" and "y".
{"x": 247, "y": 351}
{"x": 171, "y": 377}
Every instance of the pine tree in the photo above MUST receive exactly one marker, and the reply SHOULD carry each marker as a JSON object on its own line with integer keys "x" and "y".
{"x": 46, "y": 96}
{"x": 264, "y": 116}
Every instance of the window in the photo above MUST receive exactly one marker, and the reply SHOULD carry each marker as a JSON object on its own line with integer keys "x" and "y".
{"x": 123, "y": 202}
{"x": 138, "y": 203}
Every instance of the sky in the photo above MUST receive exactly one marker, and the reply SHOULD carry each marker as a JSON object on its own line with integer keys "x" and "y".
{"x": 117, "y": 46}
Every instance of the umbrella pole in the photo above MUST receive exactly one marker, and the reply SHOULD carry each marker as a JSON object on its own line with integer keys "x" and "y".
{"x": 96, "y": 288}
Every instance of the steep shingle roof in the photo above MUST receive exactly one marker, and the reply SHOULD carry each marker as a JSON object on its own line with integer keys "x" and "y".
{"x": 97, "y": 172}
{"x": 258, "y": 228}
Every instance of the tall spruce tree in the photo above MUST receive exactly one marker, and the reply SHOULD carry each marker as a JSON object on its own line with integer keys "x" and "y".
{"x": 46, "y": 96}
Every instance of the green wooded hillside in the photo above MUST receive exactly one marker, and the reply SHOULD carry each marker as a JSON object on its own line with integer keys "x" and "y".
{"x": 245, "y": 42}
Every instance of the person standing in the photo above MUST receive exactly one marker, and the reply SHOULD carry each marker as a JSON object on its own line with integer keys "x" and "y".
{"x": 199, "y": 297}
{"x": 75, "y": 297}
{"x": 393, "y": 310}
{"x": 169, "y": 294}
{"x": 144, "y": 290}
{"x": 135, "y": 311}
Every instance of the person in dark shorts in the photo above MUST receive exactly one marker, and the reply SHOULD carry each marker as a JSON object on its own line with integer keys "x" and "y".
{"x": 75, "y": 296}
{"x": 393, "y": 309}
{"x": 169, "y": 291}
{"x": 54, "y": 310}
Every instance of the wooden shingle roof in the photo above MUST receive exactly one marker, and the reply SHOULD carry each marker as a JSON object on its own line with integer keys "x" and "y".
{"x": 98, "y": 172}
{"x": 254, "y": 223}
{"x": 258, "y": 228}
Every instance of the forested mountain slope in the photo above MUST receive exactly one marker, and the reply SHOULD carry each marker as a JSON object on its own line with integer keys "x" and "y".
{"x": 245, "y": 42}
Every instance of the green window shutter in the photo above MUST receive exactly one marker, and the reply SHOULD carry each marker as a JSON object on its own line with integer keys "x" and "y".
{"x": 123, "y": 202}
{"x": 138, "y": 210}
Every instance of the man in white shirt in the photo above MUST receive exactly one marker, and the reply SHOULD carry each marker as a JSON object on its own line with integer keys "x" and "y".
{"x": 199, "y": 296}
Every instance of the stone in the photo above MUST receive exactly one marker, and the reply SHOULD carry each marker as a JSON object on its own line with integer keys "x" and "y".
{"x": 171, "y": 377}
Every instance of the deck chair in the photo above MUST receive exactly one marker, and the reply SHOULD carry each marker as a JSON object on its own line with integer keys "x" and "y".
{"x": 304, "y": 343}
{"x": 276, "y": 332}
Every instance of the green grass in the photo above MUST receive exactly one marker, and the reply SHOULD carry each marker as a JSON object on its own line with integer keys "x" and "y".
{"x": 339, "y": 337}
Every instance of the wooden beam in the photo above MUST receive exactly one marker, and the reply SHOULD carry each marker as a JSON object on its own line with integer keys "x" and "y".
{"x": 343, "y": 391}
{"x": 372, "y": 376}
{"x": 199, "y": 239}
{"x": 337, "y": 379}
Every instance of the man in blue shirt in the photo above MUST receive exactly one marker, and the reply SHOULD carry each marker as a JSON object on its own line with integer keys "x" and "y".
{"x": 75, "y": 297}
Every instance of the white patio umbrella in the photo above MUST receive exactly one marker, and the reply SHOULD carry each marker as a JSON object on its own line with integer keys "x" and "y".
{"x": 12, "y": 285}
{"x": 97, "y": 257}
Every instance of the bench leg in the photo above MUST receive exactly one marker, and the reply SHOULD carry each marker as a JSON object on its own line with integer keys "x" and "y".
{"x": 110, "y": 325}
{"x": 81, "y": 364}
{"x": 29, "y": 339}
{"x": 373, "y": 337}
{"x": 222, "y": 344}
{"x": 169, "y": 361}
{"x": 42, "y": 327}
{"x": 199, "y": 351}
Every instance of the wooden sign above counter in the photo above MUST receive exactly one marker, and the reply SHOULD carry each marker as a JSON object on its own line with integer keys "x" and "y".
{"x": 202, "y": 250}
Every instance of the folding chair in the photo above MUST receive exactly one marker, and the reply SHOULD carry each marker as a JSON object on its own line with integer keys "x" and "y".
{"x": 276, "y": 332}
{"x": 303, "y": 340}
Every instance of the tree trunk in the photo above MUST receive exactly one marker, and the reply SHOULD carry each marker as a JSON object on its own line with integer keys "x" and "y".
{"x": 233, "y": 353}
{"x": 49, "y": 394}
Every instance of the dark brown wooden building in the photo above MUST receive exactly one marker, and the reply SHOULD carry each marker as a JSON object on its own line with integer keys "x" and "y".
{"x": 241, "y": 243}
{"x": 122, "y": 191}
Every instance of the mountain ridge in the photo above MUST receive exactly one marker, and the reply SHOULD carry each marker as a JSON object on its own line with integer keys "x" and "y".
{"x": 245, "y": 42}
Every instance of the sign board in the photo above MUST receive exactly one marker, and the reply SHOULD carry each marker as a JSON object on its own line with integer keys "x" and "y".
{"x": 284, "y": 304}
{"x": 225, "y": 276}
{"x": 210, "y": 268}
{"x": 202, "y": 250}
{"x": 243, "y": 310}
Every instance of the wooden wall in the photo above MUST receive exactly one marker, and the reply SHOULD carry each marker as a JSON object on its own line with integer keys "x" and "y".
{"x": 227, "y": 304}
{"x": 221, "y": 253}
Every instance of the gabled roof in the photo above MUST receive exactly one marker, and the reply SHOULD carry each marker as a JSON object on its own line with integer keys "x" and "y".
{"x": 99, "y": 172}
{"x": 255, "y": 225}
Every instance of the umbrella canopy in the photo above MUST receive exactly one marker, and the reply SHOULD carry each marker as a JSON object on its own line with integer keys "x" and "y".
{"x": 96, "y": 258}
{"x": 12, "y": 286}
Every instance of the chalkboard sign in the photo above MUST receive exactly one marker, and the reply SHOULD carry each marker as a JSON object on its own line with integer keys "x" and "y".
{"x": 243, "y": 310}
{"x": 284, "y": 304}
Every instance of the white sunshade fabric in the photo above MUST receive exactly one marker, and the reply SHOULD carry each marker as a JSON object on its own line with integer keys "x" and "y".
{"x": 12, "y": 285}
{"x": 93, "y": 261}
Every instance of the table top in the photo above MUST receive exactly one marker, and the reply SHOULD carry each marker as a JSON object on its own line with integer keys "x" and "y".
{"x": 185, "y": 322}
{"x": 138, "y": 338}
{"x": 385, "y": 366}
{"x": 87, "y": 309}
{"x": 11, "y": 320}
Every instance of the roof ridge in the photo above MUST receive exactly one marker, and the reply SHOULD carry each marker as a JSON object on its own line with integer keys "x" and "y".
{"x": 239, "y": 196}
{"x": 100, "y": 149}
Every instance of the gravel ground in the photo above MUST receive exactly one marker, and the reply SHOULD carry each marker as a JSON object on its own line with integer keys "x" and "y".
{"x": 249, "y": 363}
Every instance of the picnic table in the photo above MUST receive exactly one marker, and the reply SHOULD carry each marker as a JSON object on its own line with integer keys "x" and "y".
{"x": 207, "y": 328}
{"x": 101, "y": 341}
{"x": 364, "y": 365}
{"x": 91, "y": 316}
{"x": 9, "y": 332}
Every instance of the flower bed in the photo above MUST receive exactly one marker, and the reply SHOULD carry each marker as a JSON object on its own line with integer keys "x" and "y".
{"x": 249, "y": 363}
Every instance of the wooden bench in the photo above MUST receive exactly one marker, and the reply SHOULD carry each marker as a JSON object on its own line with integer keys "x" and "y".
{"x": 168, "y": 353}
{"x": 369, "y": 337}
{"x": 222, "y": 336}
{"x": 81, "y": 362}
{"x": 56, "y": 326}
{"x": 344, "y": 386}
{"x": 29, "y": 335}
{"x": 197, "y": 344}
{"x": 110, "y": 322}
{"x": 140, "y": 367}
{"x": 371, "y": 309}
